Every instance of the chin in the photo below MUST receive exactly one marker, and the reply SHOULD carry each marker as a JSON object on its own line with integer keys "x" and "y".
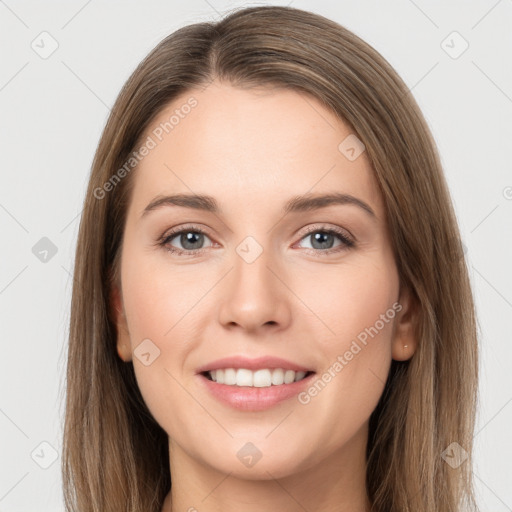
{"x": 248, "y": 462}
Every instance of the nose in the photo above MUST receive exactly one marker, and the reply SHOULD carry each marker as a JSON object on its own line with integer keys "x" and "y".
{"x": 254, "y": 296}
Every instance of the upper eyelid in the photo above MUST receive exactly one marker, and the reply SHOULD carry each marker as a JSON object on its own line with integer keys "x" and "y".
{"x": 325, "y": 227}
{"x": 193, "y": 227}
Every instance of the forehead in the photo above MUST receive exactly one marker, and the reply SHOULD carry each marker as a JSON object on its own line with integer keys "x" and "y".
{"x": 255, "y": 145}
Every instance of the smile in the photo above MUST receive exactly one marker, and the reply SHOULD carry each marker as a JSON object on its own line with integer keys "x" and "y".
{"x": 262, "y": 378}
{"x": 254, "y": 384}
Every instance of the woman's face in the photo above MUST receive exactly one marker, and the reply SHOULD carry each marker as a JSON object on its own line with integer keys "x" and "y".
{"x": 273, "y": 271}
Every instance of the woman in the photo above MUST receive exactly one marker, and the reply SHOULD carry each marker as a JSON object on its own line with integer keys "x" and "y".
{"x": 216, "y": 362}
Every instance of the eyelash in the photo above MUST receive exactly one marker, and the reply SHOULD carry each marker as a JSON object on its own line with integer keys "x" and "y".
{"x": 164, "y": 240}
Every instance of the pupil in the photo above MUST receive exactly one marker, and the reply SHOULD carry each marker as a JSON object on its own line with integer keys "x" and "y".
{"x": 320, "y": 237}
{"x": 189, "y": 239}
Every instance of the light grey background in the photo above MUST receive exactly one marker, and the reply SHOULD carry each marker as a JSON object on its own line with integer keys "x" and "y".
{"x": 52, "y": 112}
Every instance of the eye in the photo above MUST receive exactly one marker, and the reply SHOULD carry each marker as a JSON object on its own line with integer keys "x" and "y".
{"x": 323, "y": 240}
{"x": 190, "y": 239}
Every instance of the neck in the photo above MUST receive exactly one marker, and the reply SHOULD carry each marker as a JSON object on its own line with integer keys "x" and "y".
{"x": 337, "y": 483}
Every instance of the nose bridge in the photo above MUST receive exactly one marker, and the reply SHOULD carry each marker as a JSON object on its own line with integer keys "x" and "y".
{"x": 252, "y": 277}
{"x": 254, "y": 296}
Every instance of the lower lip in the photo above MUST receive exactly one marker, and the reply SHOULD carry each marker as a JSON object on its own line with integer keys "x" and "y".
{"x": 251, "y": 398}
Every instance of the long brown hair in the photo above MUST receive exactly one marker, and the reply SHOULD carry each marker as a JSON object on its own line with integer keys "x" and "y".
{"x": 115, "y": 455}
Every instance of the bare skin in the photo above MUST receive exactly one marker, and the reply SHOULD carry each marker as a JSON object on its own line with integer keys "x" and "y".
{"x": 298, "y": 300}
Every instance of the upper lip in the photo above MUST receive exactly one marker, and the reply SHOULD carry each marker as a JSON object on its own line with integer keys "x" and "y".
{"x": 259, "y": 363}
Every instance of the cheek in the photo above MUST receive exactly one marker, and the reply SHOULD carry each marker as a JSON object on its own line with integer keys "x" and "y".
{"x": 351, "y": 299}
{"x": 357, "y": 309}
{"x": 160, "y": 306}
{"x": 159, "y": 299}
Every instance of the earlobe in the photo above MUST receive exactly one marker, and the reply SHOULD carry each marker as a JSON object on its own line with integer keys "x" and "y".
{"x": 404, "y": 343}
{"x": 119, "y": 318}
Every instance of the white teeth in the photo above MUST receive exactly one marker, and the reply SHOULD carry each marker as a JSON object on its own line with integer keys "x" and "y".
{"x": 277, "y": 377}
{"x": 230, "y": 376}
{"x": 299, "y": 375}
{"x": 262, "y": 379}
{"x": 258, "y": 379}
{"x": 289, "y": 376}
{"x": 243, "y": 377}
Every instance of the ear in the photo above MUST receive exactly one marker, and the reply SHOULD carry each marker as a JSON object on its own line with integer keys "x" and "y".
{"x": 404, "y": 342}
{"x": 123, "y": 337}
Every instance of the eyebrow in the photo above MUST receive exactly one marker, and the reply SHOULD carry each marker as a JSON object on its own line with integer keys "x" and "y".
{"x": 296, "y": 204}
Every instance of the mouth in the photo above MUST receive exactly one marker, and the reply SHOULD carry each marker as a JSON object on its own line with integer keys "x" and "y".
{"x": 262, "y": 378}
{"x": 254, "y": 384}
{"x": 253, "y": 391}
